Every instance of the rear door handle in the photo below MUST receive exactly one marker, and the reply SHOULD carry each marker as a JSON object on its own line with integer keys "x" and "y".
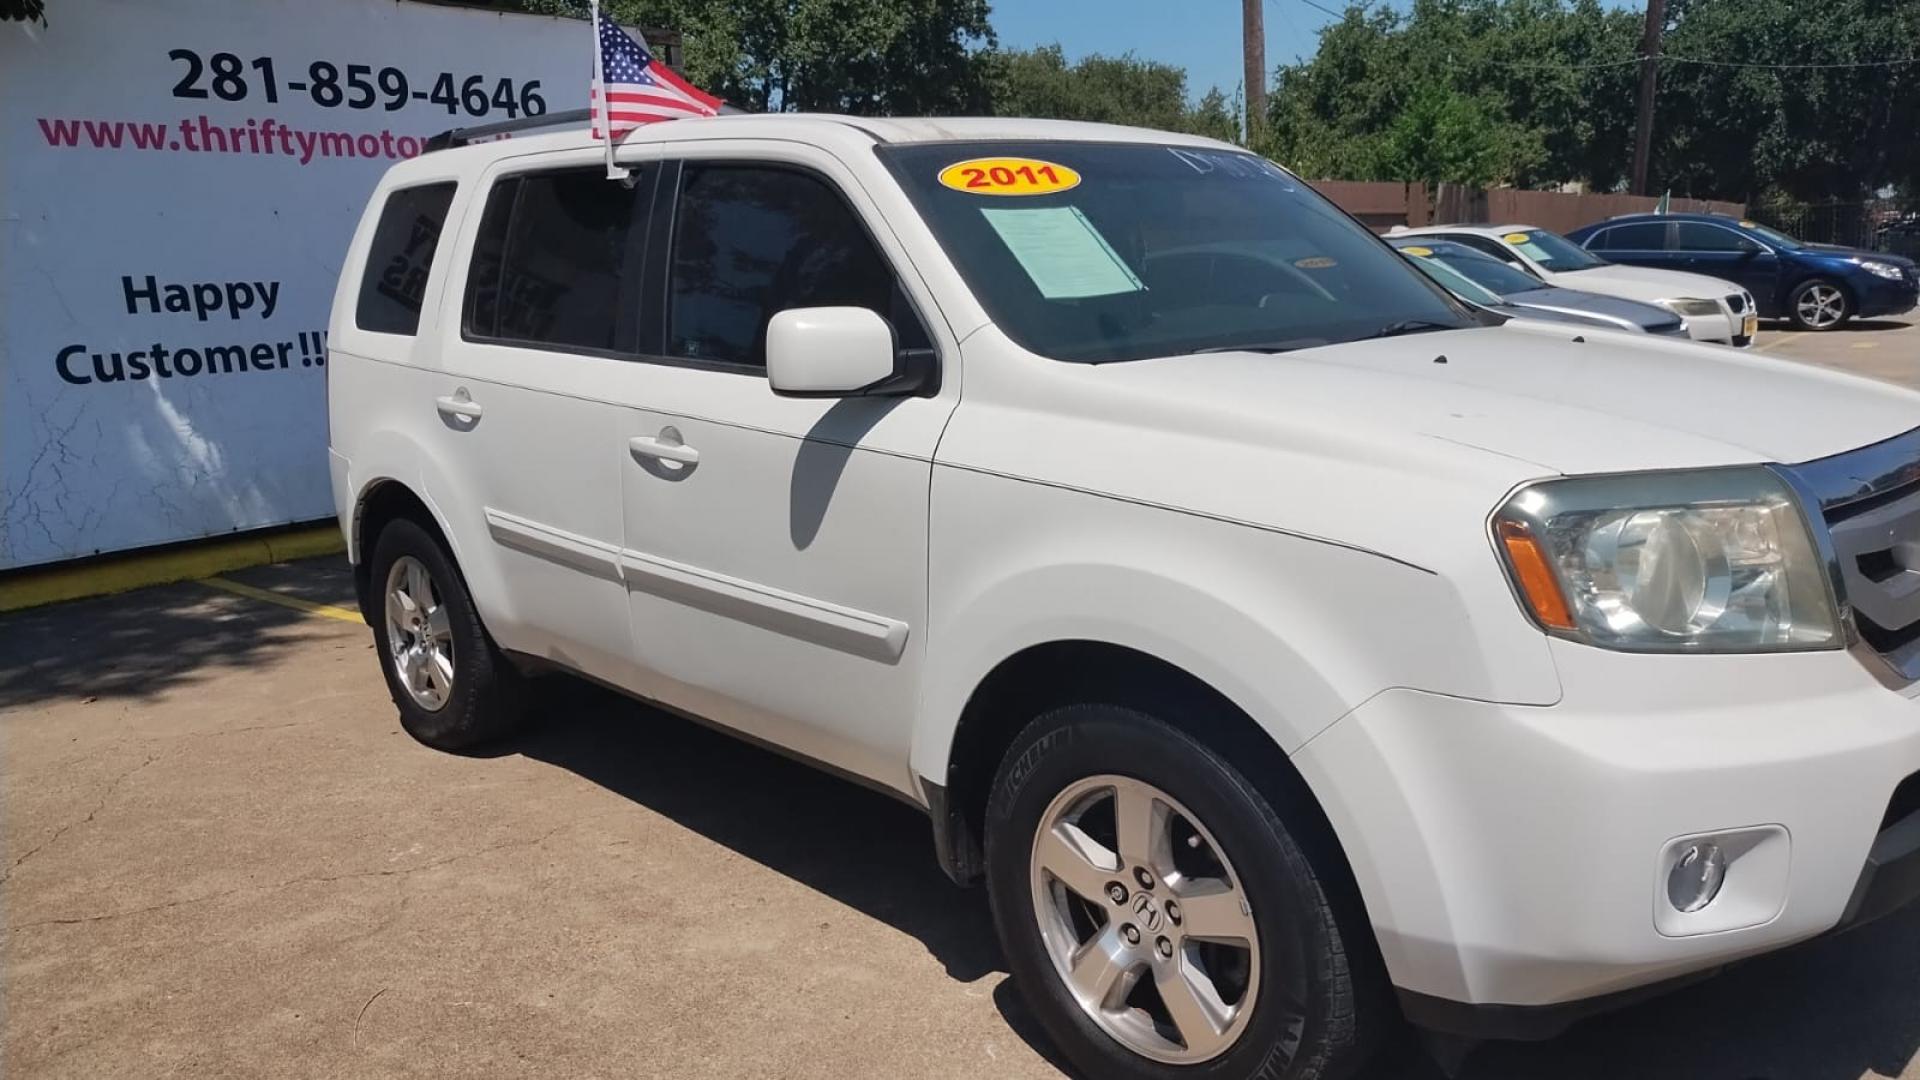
{"x": 460, "y": 405}
{"x": 648, "y": 446}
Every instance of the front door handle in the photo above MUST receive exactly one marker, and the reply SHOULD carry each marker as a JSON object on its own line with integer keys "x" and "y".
{"x": 459, "y": 404}
{"x": 648, "y": 446}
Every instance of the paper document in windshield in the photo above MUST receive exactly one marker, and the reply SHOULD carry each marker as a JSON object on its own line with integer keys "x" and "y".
{"x": 1062, "y": 252}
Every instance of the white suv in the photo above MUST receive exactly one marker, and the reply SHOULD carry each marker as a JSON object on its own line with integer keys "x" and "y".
{"x": 1289, "y": 647}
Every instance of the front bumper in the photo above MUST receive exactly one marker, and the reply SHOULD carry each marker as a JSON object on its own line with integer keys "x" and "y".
{"x": 1882, "y": 296}
{"x": 1513, "y": 859}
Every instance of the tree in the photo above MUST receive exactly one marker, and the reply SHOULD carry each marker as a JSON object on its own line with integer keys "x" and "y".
{"x": 1814, "y": 134}
{"x": 874, "y": 57}
{"x": 1108, "y": 89}
{"x": 23, "y": 10}
{"x": 1541, "y": 89}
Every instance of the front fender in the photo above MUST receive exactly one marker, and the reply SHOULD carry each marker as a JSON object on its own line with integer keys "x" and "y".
{"x": 1295, "y": 632}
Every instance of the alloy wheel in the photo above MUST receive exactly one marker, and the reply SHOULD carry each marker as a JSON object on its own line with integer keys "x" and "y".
{"x": 419, "y": 634}
{"x": 1145, "y": 920}
{"x": 1821, "y": 306}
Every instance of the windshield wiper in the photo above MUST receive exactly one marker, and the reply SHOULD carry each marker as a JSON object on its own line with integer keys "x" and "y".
{"x": 1407, "y": 326}
{"x": 1264, "y": 346}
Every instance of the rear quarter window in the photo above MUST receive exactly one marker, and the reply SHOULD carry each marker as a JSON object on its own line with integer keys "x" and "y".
{"x": 394, "y": 284}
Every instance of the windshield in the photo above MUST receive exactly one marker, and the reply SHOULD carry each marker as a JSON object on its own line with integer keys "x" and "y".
{"x": 1486, "y": 271}
{"x": 1554, "y": 252}
{"x": 1772, "y": 236}
{"x": 1450, "y": 279}
{"x": 1100, "y": 251}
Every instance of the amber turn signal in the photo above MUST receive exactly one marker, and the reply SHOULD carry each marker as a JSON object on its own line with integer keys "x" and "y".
{"x": 1537, "y": 582}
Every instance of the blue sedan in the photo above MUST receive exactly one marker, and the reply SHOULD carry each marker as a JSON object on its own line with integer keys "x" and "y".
{"x": 1817, "y": 286}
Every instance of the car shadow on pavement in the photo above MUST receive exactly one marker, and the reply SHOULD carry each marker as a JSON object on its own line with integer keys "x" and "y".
{"x": 863, "y": 848}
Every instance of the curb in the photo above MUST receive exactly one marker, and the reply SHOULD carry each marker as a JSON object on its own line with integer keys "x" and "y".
{"x": 186, "y": 562}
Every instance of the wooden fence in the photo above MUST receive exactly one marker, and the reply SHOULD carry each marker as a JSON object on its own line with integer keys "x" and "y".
{"x": 1384, "y": 204}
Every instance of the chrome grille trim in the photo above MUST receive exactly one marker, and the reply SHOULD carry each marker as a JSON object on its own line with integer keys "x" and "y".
{"x": 1866, "y": 503}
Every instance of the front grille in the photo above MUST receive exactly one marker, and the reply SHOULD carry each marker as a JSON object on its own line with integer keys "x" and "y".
{"x": 1869, "y": 501}
{"x": 1737, "y": 302}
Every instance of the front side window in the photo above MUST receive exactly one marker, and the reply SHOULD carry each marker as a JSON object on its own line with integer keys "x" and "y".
{"x": 394, "y": 284}
{"x": 751, "y": 241}
{"x": 557, "y": 262}
{"x": 1097, "y": 252}
{"x": 1694, "y": 236}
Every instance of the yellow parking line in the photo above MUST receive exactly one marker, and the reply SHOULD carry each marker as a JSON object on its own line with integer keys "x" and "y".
{"x": 294, "y": 602}
{"x": 1777, "y": 342}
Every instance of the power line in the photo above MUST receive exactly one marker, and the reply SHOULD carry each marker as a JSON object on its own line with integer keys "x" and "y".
{"x": 1637, "y": 58}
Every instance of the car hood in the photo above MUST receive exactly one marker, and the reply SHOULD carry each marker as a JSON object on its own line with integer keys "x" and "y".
{"x": 1580, "y": 301}
{"x": 1644, "y": 283}
{"x": 1859, "y": 253}
{"x": 1614, "y": 401}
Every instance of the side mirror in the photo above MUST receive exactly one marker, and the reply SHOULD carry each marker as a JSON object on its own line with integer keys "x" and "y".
{"x": 835, "y": 352}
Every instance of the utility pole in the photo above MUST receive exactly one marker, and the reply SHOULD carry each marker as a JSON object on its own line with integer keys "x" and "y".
{"x": 1649, "y": 82}
{"x": 1253, "y": 42}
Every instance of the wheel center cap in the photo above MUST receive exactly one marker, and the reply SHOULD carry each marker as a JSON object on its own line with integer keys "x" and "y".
{"x": 1148, "y": 913}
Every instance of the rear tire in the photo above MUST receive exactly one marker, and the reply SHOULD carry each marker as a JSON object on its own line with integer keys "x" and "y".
{"x": 1280, "y": 995}
{"x": 1818, "y": 304}
{"x": 454, "y": 689}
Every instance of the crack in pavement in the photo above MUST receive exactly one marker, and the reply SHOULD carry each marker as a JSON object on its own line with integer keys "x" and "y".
{"x": 105, "y": 796}
{"x": 306, "y": 879}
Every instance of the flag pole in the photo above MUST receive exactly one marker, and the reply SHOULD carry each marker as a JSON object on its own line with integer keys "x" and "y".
{"x": 603, "y": 115}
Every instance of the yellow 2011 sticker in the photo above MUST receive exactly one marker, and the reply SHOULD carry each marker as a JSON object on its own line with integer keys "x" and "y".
{"x": 1315, "y": 262}
{"x": 1417, "y": 250}
{"x": 1516, "y": 238}
{"x": 1008, "y": 176}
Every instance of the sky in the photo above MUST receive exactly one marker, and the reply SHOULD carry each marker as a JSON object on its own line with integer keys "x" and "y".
{"x": 1202, "y": 36}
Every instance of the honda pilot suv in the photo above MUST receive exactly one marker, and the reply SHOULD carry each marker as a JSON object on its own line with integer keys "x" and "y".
{"x": 1291, "y": 649}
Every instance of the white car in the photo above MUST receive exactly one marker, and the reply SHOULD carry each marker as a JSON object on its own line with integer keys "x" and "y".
{"x": 1716, "y": 311}
{"x": 1286, "y": 650}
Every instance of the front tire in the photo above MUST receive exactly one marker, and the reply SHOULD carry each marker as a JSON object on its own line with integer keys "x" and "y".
{"x": 454, "y": 689}
{"x": 1158, "y": 915}
{"x": 1819, "y": 304}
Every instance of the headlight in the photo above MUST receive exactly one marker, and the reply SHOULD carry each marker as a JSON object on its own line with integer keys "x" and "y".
{"x": 1688, "y": 306}
{"x": 1713, "y": 561}
{"x": 1880, "y": 269}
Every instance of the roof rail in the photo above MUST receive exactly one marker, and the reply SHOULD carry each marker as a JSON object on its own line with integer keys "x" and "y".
{"x": 466, "y": 136}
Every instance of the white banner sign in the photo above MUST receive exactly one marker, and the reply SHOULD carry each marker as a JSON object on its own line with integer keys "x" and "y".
{"x": 178, "y": 183}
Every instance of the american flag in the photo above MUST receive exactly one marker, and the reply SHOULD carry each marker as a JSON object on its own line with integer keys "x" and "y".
{"x": 639, "y": 88}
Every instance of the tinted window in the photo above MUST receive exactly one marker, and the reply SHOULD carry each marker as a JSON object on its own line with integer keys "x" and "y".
{"x": 1556, "y": 253}
{"x": 557, "y": 261}
{"x": 1490, "y": 273}
{"x": 749, "y": 242}
{"x": 1129, "y": 251}
{"x": 1483, "y": 245}
{"x": 1694, "y": 236}
{"x": 1646, "y": 236}
{"x": 400, "y": 257}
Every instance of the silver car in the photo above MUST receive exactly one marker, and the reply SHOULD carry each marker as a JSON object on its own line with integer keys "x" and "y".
{"x": 1490, "y": 283}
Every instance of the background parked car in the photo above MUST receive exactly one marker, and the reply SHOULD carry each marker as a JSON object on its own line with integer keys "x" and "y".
{"x": 1715, "y": 310}
{"x": 1490, "y": 283}
{"x": 1818, "y": 286}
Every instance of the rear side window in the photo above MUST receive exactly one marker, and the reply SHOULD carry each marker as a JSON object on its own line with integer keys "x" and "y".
{"x": 557, "y": 262}
{"x": 1647, "y": 236}
{"x": 749, "y": 242}
{"x": 394, "y": 284}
